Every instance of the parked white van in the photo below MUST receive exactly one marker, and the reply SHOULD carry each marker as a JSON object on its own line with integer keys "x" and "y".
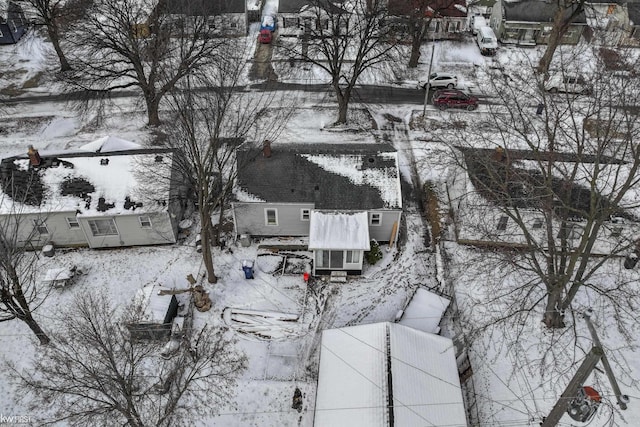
{"x": 487, "y": 41}
{"x": 477, "y": 22}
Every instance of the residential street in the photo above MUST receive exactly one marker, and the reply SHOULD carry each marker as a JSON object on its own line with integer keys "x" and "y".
{"x": 408, "y": 266}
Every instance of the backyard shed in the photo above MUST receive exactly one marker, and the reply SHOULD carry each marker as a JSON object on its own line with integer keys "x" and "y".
{"x": 153, "y": 313}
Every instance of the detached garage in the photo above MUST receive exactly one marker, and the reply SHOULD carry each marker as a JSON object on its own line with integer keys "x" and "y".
{"x": 387, "y": 374}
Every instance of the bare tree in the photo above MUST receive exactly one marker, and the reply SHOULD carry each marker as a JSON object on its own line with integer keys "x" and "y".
{"x": 345, "y": 41}
{"x": 19, "y": 295}
{"x": 144, "y": 44}
{"x": 417, "y": 16}
{"x": 18, "y": 290}
{"x": 556, "y": 189}
{"x": 95, "y": 374}
{"x": 209, "y": 126}
{"x": 54, "y": 15}
{"x": 566, "y": 13}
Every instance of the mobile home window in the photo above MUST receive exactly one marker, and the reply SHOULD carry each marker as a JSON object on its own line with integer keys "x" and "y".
{"x": 72, "y": 222}
{"x": 305, "y": 214}
{"x": 145, "y": 221}
{"x": 502, "y": 223}
{"x": 271, "y": 216}
{"x": 103, "y": 227}
{"x": 40, "y": 226}
{"x": 376, "y": 219}
{"x": 352, "y": 257}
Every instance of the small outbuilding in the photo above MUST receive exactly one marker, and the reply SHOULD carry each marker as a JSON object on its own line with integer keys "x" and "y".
{"x": 153, "y": 313}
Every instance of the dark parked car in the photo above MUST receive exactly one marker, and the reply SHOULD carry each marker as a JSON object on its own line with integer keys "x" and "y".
{"x": 451, "y": 98}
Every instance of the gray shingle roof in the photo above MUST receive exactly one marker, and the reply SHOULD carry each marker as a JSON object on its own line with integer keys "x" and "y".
{"x": 535, "y": 11}
{"x": 295, "y": 173}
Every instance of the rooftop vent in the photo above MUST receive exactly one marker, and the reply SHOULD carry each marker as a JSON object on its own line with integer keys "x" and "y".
{"x": 158, "y": 159}
{"x": 104, "y": 162}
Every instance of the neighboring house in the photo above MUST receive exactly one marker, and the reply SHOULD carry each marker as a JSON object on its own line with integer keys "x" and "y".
{"x": 481, "y": 7}
{"x": 632, "y": 33}
{"x": 91, "y": 198}
{"x": 529, "y": 22}
{"x": 387, "y": 374}
{"x": 609, "y": 20}
{"x": 481, "y": 217}
{"x": 297, "y": 16}
{"x": 13, "y": 24}
{"x": 224, "y": 17}
{"x": 447, "y": 18}
{"x": 340, "y": 196}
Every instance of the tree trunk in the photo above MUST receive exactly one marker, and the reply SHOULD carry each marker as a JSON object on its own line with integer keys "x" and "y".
{"x": 416, "y": 43}
{"x": 343, "y": 106}
{"x": 33, "y": 325}
{"x": 553, "y": 317}
{"x": 153, "y": 106}
{"x": 559, "y": 29}
{"x": 52, "y": 29}
{"x": 207, "y": 257}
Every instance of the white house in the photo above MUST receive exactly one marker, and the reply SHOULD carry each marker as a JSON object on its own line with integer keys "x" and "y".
{"x": 340, "y": 196}
{"x": 91, "y": 198}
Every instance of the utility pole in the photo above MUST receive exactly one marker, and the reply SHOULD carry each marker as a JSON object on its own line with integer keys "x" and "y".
{"x": 595, "y": 355}
{"x": 428, "y": 85}
{"x": 622, "y": 399}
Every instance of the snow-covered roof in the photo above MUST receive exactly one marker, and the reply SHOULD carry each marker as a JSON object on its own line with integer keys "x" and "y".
{"x": 333, "y": 176}
{"x": 357, "y": 387}
{"x": 88, "y": 183}
{"x": 339, "y": 230}
{"x": 537, "y": 11}
{"x": 424, "y": 312}
{"x": 153, "y": 306}
{"x": 110, "y": 143}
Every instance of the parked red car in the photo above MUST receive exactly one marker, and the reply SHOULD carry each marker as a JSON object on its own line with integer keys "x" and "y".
{"x": 451, "y": 98}
{"x": 265, "y": 36}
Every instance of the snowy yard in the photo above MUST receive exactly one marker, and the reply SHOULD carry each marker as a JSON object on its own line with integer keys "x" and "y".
{"x": 509, "y": 389}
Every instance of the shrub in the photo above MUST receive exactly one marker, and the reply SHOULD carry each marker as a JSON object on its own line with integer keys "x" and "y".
{"x": 375, "y": 254}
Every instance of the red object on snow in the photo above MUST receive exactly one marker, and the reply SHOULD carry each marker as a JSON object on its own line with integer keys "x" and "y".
{"x": 265, "y": 36}
{"x": 305, "y": 276}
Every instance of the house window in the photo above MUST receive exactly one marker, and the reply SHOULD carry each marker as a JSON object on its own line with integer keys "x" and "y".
{"x": 616, "y": 232}
{"x": 352, "y": 257}
{"x": 72, "y": 222}
{"x": 271, "y": 216}
{"x": 103, "y": 227}
{"x": 572, "y": 231}
{"x": 145, "y": 221}
{"x": 322, "y": 259}
{"x": 537, "y": 223}
{"x": 330, "y": 259}
{"x": 502, "y": 223}
{"x": 375, "y": 219}
{"x": 305, "y": 214}
{"x": 40, "y": 226}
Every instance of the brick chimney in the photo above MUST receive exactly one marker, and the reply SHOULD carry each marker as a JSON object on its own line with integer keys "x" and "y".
{"x": 34, "y": 156}
{"x": 266, "y": 148}
{"x": 499, "y": 154}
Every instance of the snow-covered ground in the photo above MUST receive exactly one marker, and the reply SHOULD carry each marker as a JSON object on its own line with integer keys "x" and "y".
{"x": 510, "y": 390}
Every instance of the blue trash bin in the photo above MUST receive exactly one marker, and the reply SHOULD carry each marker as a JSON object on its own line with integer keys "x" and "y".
{"x": 247, "y": 267}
